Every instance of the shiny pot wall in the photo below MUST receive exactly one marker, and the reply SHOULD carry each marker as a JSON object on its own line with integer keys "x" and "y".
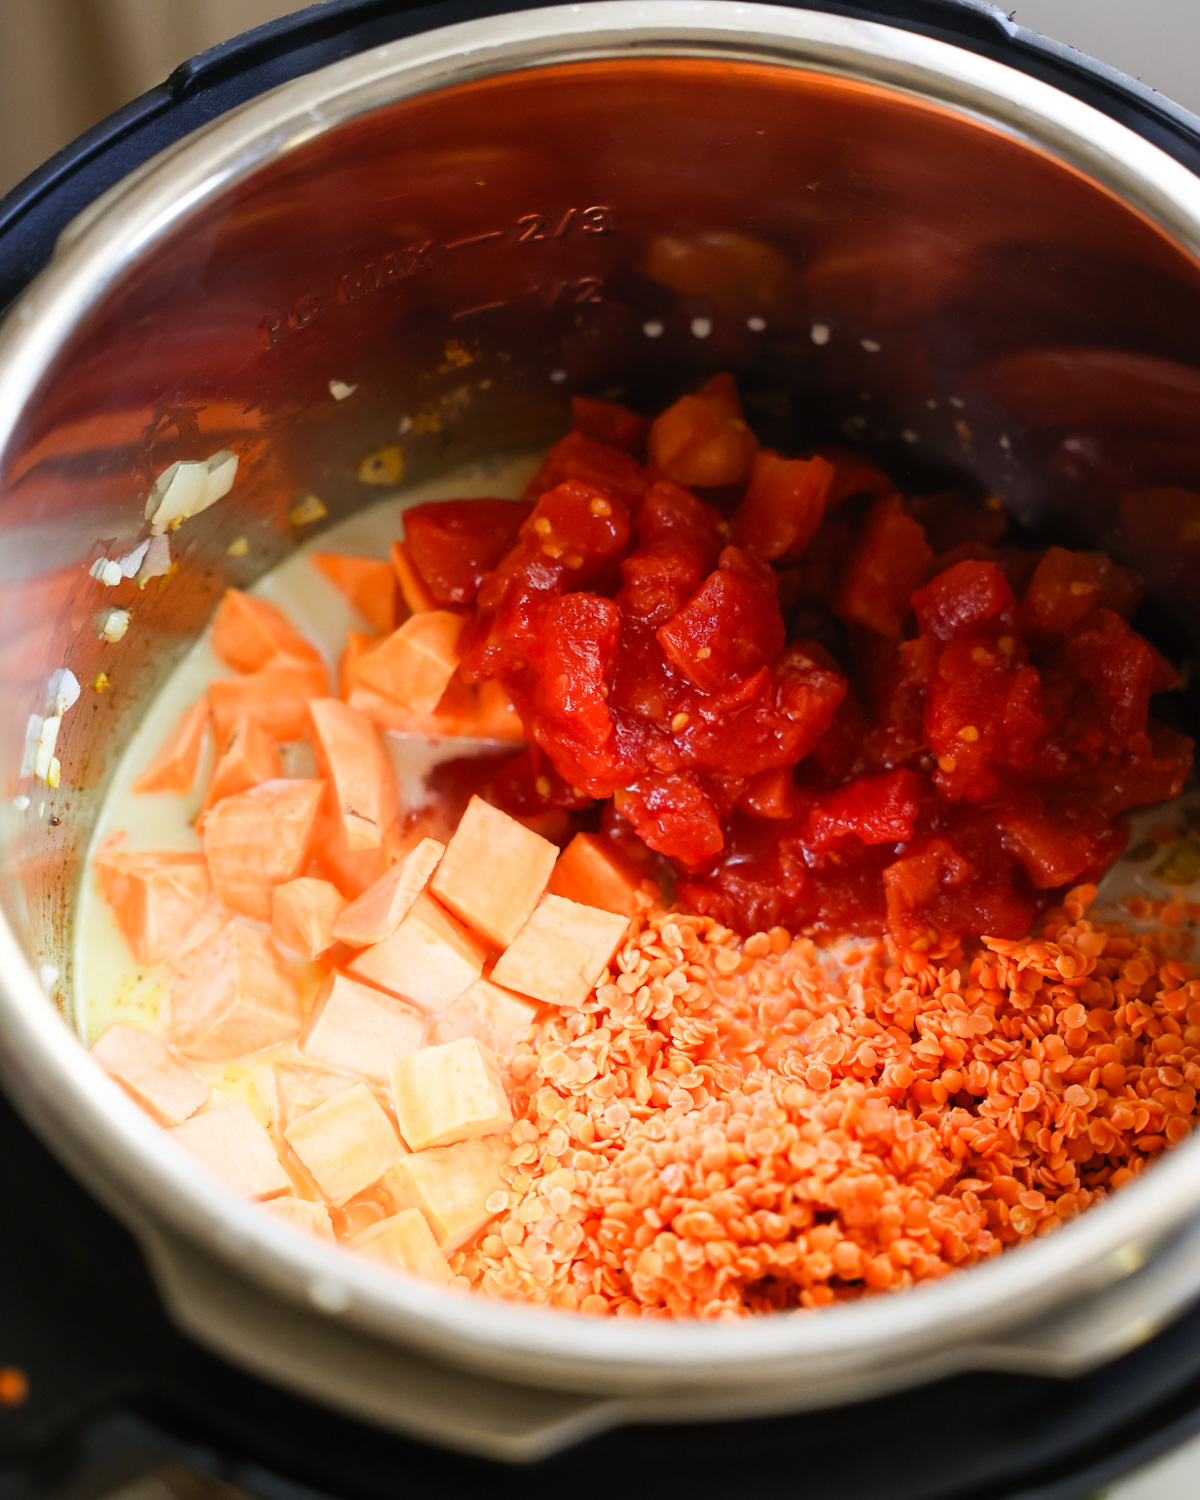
{"x": 947, "y": 262}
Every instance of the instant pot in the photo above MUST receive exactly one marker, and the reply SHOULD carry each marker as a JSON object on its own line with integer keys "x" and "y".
{"x": 912, "y": 227}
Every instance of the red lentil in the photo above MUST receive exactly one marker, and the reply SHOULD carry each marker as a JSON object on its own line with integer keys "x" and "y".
{"x": 733, "y": 1127}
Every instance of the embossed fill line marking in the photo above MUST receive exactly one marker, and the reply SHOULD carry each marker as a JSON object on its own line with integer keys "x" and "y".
{"x": 475, "y": 239}
{"x": 469, "y": 312}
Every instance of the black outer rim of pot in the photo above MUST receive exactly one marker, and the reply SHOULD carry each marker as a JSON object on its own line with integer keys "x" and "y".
{"x": 34, "y": 213}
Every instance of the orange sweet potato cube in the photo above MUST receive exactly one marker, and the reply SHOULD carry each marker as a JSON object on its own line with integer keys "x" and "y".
{"x": 381, "y": 908}
{"x": 360, "y": 1029}
{"x": 248, "y": 758}
{"x": 261, "y": 838}
{"x": 353, "y": 871}
{"x": 357, "y": 772}
{"x": 493, "y": 872}
{"x": 303, "y": 913}
{"x": 429, "y": 959}
{"x": 367, "y": 582}
{"x": 346, "y": 1144}
{"x": 230, "y": 995}
{"x": 234, "y": 1147}
{"x": 404, "y": 1242}
{"x": 561, "y": 952}
{"x": 591, "y": 872}
{"x": 247, "y": 633}
{"x": 496, "y": 718}
{"x": 299, "y": 1088}
{"x": 451, "y": 1185}
{"x": 412, "y": 586}
{"x": 157, "y": 896}
{"x": 448, "y": 1093}
{"x": 414, "y": 665}
{"x": 302, "y": 1214}
{"x": 173, "y": 769}
{"x": 166, "y": 1089}
{"x": 495, "y": 1017}
{"x": 276, "y": 697}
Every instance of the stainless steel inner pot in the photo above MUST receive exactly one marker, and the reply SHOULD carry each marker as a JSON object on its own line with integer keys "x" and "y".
{"x": 954, "y": 265}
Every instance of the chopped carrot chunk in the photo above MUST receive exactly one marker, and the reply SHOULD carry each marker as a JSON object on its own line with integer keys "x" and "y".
{"x": 414, "y": 665}
{"x": 249, "y": 758}
{"x": 259, "y": 839}
{"x": 362, "y": 788}
{"x": 592, "y": 872}
{"x": 381, "y": 908}
{"x": 248, "y": 633}
{"x": 276, "y": 698}
{"x": 174, "y": 767}
{"x": 412, "y": 585}
{"x": 157, "y": 896}
{"x": 303, "y": 913}
{"x": 367, "y": 582}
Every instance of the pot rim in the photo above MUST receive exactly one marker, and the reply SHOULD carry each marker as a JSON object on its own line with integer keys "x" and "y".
{"x": 88, "y": 1116}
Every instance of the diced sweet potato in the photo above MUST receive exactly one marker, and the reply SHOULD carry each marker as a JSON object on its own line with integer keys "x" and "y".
{"x": 360, "y": 1029}
{"x": 493, "y": 872}
{"x": 302, "y": 1214}
{"x": 234, "y": 1147}
{"x": 561, "y": 952}
{"x": 259, "y": 839}
{"x": 456, "y": 715}
{"x": 247, "y": 633}
{"x": 412, "y": 586}
{"x": 174, "y": 767}
{"x": 276, "y": 698}
{"x": 347, "y": 1143}
{"x": 448, "y": 1093}
{"x": 496, "y": 718}
{"x": 451, "y": 1186}
{"x": 413, "y": 666}
{"x": 303, "y": 913}
{"x": 299, "y": 1088}
{"x": 157, "y": 896}
{"x": 591, "y": 871}
{"x": 357, "y": 772}
{"x": 495, "y": 1017}
{"x": 368, "y": 583}
{"x": 154, "y": 1077}
{"x": 429, "y": 959}
{"x": 353, "y": 871}
{"x": 404, "y": 1242}
{"x": 231, "y": 995}
{"x": 377, "y": 913}
{"x": 249, "y": 758}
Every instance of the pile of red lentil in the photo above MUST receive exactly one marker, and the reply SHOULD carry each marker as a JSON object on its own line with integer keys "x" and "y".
{"x": 732, "y": 1127}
